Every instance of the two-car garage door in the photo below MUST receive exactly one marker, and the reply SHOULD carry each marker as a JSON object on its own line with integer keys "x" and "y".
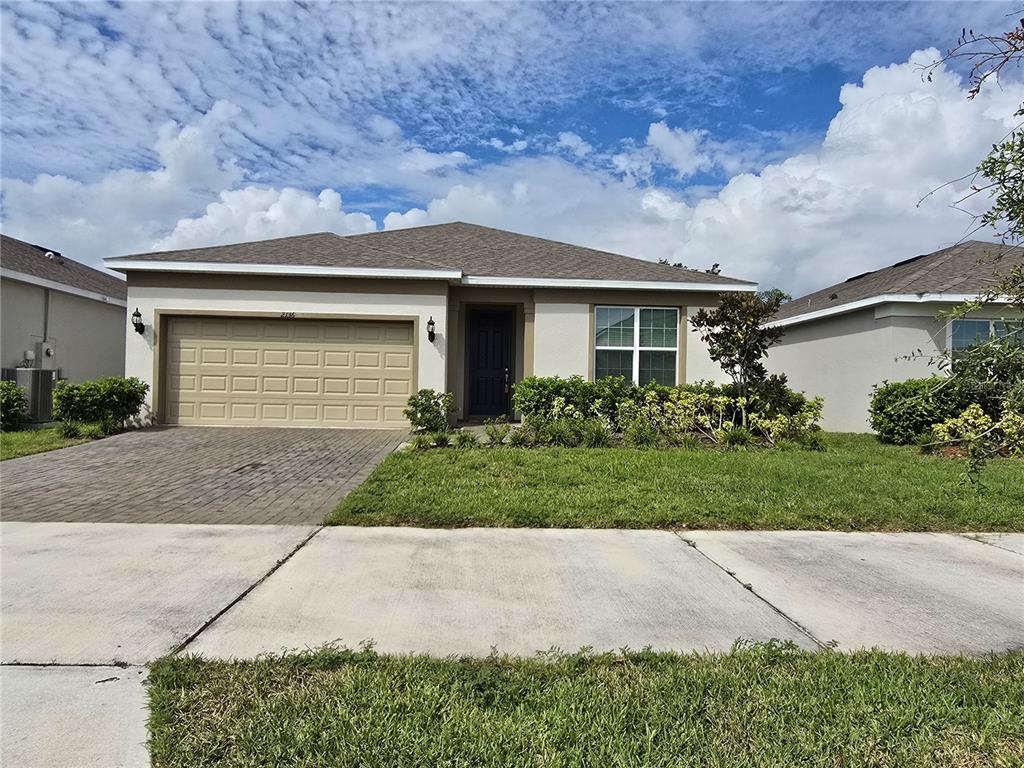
{"x": 284, "y": 372}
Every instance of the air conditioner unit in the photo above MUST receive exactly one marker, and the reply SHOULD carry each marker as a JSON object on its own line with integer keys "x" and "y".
{"x": 38, "y": 385}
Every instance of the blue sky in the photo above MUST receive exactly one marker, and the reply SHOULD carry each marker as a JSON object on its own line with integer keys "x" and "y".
{"x": 788, "y": 142}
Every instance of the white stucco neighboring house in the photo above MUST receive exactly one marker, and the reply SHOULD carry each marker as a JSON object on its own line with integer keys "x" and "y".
{"x": 887, "y": 325}
{"x": 59, "y": 314}
{"x": 325, "y": 330}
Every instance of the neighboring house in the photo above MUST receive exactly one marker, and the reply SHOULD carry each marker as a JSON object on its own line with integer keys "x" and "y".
{"x": 59, "y": 314}
{"x": 323, "y": 330}
{"x": 842, "y": 340}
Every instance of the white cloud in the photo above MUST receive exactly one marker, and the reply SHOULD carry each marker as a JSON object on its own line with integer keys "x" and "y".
{"x": 847, "y": 205}
{"x": 843, "y": 205}
{"x": 419, "y": 160}
{"x": 128, "y": 211}
{"x": 678, "y": 148}
{"x": 514, "y": 146}
{"x": 573, "y": 143}
{"x": 255, "y": 213}
{"x": 315, "y": 83}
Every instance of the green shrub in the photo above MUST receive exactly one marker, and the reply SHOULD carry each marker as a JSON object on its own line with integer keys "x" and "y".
{"x": 70, "y": 429}
{"x": 522, "y": 437}
{"x": 902, "y": 410}
{"x": 640, "y": 432}
{"x": 496, "y": 430}
{"x": 466, "y": 439}
{"x": 112, "y": 401}
{"x": 430, "y": 411}
{"x": 596, "y": 433}
{"x": 544, "y": 395}
{"x": 738, "y": 437}
{"x": 554, "y": 410}
{"x": 13, "y": 406}
{"x": 812, "y": 440}
{"x": 421, "y": 442}
{"x": 773, "y": 397}
{"x": 441, "y": 439}
{"x": 94, "y": 431}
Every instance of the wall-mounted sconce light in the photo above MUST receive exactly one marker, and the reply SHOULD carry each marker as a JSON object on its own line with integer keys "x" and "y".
{"x": 430, "y": 329}
{"x": 137, "y": 321}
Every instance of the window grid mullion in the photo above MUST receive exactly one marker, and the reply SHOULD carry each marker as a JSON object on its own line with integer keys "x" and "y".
{"x": 636, "y": 346}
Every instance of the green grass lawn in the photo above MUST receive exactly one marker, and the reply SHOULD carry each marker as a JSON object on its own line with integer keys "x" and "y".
{"x": 28, "y": 441}
{"x": 757, "y": 706}
{"x": 857, "y": 484}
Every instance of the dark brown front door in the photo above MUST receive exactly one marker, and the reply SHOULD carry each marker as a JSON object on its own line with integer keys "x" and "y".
{"x": 490, "y": 337}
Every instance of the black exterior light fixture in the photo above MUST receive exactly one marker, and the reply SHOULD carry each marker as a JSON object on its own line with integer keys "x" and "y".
{"x": 137, "y": 323}
{"x": 430, "y": 329}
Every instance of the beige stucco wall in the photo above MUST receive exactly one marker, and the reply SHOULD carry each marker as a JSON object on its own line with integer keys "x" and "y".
{"x": 564, "y": 330}
{"x": 841, "y": 358}
{"x": 554, "y": 327}
{"x": 699, "y": 365}
{"x": 322, "y": 297}
{"x": 88, "y": 335}
{"x": 561, "y": 338}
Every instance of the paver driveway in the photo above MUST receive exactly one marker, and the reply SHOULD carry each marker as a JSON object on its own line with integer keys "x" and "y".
{"x": 195, "y": 475}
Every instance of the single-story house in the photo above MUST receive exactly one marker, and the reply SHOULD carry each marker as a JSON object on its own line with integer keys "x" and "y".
{"x": 887, "y": 325}
{"x": 332, "y": 331}
{"x": 58, "y": 314}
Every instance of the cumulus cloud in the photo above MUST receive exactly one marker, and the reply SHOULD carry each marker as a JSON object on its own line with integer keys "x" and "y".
{"x": 573, "y": 143}
{"x": 255, "y": 213}
{"x": 129, "y": 211}
{"x": 846, "y": 205}
{"x": 678, "y": 148}
{"x": 93, "y": 82}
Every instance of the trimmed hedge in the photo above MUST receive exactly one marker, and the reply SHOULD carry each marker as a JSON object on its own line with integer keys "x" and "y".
{"x": 13, "y": 406}
{"x": 902, "y": 410}
{"x": 542, "y": 396}
{"x": 111, "y": 401}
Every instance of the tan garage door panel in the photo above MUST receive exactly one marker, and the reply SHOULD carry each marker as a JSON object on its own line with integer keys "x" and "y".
{"x": 319, "y": 373}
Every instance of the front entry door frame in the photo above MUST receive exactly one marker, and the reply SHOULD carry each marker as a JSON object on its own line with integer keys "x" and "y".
{"x": 490, "y": 372}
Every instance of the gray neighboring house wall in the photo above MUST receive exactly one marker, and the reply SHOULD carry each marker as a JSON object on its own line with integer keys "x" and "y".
{"x": 842, "y": 340}
{"x": 78, "y": 310}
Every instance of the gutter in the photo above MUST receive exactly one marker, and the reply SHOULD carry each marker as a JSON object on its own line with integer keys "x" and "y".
{"x": 53, "y": 285}
{"x": 873, "y": 301}
{"x": 454, "y": 276}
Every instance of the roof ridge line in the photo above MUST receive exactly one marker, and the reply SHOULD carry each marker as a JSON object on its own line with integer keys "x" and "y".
{"x": 404, "y": 256}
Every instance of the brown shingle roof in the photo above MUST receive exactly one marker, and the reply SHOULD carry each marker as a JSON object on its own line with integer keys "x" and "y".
{"x": 29, "y": 259}
{"x": 967, "y": 268}
{"x": 474, "y": 250}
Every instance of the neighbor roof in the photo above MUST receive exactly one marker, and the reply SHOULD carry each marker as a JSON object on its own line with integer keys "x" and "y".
{"x": 470, "y": 250}
{"x": 968, "y": 268}
{"x": 31, "y": 260}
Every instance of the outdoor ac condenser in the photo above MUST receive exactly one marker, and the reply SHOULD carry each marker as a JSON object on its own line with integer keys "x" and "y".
{"x": 38, "y": 384}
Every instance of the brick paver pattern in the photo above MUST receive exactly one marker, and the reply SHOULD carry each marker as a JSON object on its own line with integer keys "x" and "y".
{"x": 195, "y": 475}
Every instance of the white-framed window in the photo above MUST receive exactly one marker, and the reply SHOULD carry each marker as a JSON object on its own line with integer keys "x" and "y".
{"x": 640, "y": 343}
{"x": 970, "y": 331}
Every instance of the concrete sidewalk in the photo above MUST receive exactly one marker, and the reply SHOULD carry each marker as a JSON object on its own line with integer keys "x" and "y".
{"x": 84, "y": 596}
{"x": 520, "y": 591}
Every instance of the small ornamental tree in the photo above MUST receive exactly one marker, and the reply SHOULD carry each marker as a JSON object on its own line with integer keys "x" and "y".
{"x": 737, "y": 337}
{"x": 993, "y": 368}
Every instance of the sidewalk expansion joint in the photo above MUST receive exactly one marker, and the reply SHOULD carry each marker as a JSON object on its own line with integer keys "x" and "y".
{"x": 213, "y": 619}
{"x": 988, "y": 543}
{"x": 750, "y": 588}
